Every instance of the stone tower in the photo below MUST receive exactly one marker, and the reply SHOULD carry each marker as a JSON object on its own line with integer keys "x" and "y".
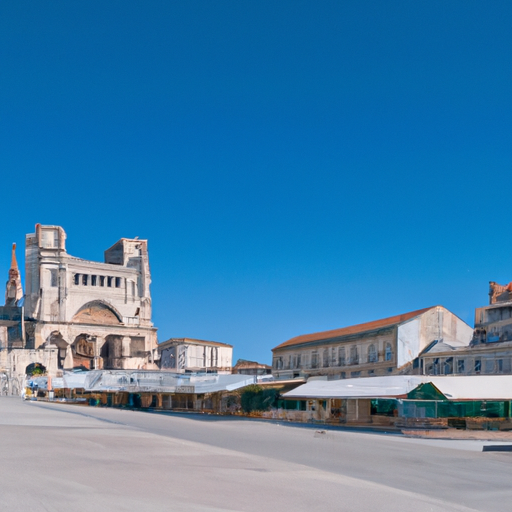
{"x": 13, "y": 289}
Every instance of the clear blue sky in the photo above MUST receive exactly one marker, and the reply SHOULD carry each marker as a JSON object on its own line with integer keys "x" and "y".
{"x": 296, "y": 166}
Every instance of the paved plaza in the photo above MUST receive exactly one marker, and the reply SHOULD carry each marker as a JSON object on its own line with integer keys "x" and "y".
{"x": 62, "y": 458}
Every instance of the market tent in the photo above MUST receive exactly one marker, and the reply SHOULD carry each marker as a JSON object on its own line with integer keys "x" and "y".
{"x": 136, "y": 381}
{"x": 368, "y": 387}
{"x": 473, "y": 387}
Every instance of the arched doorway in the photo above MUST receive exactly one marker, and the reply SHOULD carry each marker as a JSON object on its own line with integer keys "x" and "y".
{"x": 62, "y": 345}
{"x": 35, "y": 370}
{"x": 83, "y": 351}
{"x": 112, "y": 351}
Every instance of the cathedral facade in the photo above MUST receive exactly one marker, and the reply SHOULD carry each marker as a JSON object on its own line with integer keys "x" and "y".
{"x": 77, "y": 313}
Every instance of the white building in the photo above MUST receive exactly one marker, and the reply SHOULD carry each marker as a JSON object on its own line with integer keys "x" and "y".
{"x": 190, "y": 355}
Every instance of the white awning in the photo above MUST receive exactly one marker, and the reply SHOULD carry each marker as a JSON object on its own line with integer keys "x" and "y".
{"x": 136, "y": 381}
{"x": 475, "y": 387}
{"x": 472, "y": 387}
{"x": 368, "y": 387}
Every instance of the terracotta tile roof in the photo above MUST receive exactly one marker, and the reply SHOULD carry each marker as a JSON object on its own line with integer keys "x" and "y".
{"x": 352, "y": 329}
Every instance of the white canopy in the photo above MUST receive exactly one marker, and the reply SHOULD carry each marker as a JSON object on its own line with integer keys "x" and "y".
{"x": 369, "y": 387}
{"x": 134, "y": 381}
{"x": 473, "y": 387}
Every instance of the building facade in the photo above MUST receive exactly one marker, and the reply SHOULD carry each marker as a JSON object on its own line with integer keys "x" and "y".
{"x": 191, "y": 355}
{"x": 78, "y": 313}
{"x": 382, "y": 347}
{"x": 490, "y": 350}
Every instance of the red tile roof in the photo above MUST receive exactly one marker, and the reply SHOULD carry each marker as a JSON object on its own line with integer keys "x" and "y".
{"x": 352, "y": 329}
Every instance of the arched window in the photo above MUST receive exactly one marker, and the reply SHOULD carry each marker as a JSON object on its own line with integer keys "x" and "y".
{"x": 388, "y": 352}
{"x": 372, "y": 354}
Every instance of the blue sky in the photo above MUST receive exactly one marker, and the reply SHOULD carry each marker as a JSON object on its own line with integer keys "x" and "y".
{"x": 296, "y": 166}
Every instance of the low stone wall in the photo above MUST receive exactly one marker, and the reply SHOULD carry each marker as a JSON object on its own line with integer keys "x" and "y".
{"x": 421, "y": 422}
{"x": 488, "y": 423}
{"x": 288, "y": 415}
{"x": 383, "y": 421}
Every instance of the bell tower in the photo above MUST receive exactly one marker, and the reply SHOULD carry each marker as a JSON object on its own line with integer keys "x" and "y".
{"x": 13, "y": 289}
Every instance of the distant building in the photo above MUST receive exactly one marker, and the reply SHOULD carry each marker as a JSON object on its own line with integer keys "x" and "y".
{"x": 191, "y": 355}
{"x": 77, "y": 312}
{"x": 381, "y": 347}
{"x": 245, "y": 367}
{"x": 490, "y": 351}
{"x": 493, "y": 323}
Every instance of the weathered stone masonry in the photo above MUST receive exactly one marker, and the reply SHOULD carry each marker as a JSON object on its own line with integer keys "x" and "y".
{"x": 78, "y": 312}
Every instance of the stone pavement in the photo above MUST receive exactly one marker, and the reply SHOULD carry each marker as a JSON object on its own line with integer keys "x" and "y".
{"x": 59, "y": 458}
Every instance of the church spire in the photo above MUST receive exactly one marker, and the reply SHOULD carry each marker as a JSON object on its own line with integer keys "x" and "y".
{"x": 14, "y": 263}
{"x": 13, "y": 289}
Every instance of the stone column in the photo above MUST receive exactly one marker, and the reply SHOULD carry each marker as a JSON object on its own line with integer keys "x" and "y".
{"x": 98, "y": 344}
{"x": 126, "y": 346}
{"x": 68, "y": 360}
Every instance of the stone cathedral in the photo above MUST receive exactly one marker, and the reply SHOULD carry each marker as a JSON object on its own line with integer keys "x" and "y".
{"x": 75, "y": 313}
